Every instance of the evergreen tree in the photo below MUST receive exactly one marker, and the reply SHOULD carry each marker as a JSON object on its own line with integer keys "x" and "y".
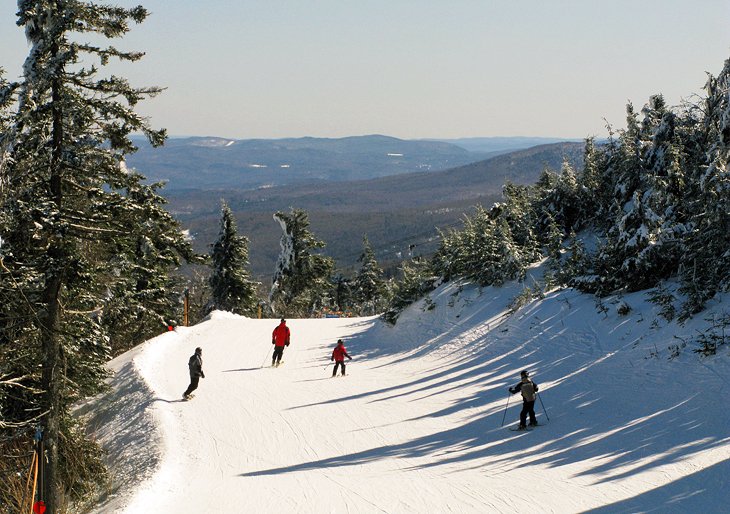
{"x": 143, "y": 296}
{"x": 343, "y": 294}
{"x": 71, "y": 211}
{"x": 231, "y": 284}
{"x": 369, "y": 283}
{"x": 301, "y": 279}
{"x": 706, "y": 258}
{"x": 418, "y": 279}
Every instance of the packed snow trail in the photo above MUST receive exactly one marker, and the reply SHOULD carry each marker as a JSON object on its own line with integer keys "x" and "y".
{"x": 415, "y": 426}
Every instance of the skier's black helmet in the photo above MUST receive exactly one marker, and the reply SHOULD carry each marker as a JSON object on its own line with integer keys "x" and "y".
{"x": 524, "y": 373}
{"x": 198, "y": 350}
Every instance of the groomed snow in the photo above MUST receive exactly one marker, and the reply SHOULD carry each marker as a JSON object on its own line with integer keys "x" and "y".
{"x": 415, "y": 426}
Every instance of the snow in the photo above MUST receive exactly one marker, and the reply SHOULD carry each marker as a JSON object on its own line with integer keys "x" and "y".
{"x": 415, "y": 426}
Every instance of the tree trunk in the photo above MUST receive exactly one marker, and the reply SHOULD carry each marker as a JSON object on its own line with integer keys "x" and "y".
{"x": 51, "y": 322}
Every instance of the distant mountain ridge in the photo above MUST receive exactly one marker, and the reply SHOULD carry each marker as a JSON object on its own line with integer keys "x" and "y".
{"x": 224, "y": 163}
{"x": 211, "y": 162}
{"x": 497, "y": 145}
{"x": 395, "y": 212}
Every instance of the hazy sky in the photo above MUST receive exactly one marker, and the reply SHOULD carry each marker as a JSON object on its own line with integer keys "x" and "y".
{"x": 410, "y": 68}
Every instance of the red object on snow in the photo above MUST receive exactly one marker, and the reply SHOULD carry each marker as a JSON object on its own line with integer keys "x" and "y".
{"x": 339, "y": 353}
{"x": 281, "y": 334}
{"x": 170, "y": 328}
{"x": 39, "y": 507}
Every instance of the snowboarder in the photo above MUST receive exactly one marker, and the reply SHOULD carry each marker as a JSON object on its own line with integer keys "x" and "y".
{"x": 338, "y": 355}
{"x": 280, "y": 339}
{"x": 195, "y": 364}
{"x": 529, "y": 389}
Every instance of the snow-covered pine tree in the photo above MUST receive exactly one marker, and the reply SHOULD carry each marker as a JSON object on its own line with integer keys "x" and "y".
{"x": 368, "y": 282}
{"x": 143, "y": 296}
{"x": 343, "y": 294}
{"x": 231, "y": 285}
{"x": 69, "y": 204}
{"x": 706, "y": 257}
{"x": 418, "y": 278}
{"x": 301, "y": 282}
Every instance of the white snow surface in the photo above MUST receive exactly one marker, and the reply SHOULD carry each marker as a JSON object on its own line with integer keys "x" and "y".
{"x": 415, "y": 426}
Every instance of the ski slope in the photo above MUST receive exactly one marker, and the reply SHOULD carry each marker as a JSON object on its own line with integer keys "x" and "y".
{"x": 416, "y": 425}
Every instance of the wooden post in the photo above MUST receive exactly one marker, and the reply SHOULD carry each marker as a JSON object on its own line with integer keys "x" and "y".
{"x": 186, "y": 307}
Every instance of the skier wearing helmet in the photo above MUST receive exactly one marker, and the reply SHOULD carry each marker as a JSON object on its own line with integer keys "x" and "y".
{"x": 338, "y": 355}
{"x": 529, "y": 389}
{"x": 280, "y": 338}
{"x": 195, "y": 365}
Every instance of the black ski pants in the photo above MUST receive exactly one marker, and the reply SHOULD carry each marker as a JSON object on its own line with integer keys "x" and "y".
{"x": 194, "y": 379}
{"x": 337, "y": 364}
{"x": 528, "y": 408}
{"x": 278, "y": 354}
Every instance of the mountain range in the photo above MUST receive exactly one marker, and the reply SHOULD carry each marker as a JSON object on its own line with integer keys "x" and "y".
{"x": 400, "y": 213}
{"x": 213, "y": 162}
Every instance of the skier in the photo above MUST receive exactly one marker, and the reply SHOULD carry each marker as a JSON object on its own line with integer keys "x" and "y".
{"x": 280, "y": 339}
{"x": 338, "y": 355}
{"x": 195, "y": 364}
{"x": 529, "y": 389}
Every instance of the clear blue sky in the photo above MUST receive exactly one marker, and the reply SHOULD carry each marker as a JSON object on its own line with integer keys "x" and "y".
{"x": 411, "y": 68}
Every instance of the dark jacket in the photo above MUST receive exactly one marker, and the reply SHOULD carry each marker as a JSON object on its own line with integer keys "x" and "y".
{"x": 195, "y": 364}
{"x": 528, "y": 393}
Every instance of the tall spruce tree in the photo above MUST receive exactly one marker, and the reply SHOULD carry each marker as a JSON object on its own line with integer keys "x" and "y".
{"x": 706, "y": 259}
{"x": 301, "y": 282}
{"x": 231, "y": 285}
{"x": 69, "y": 205}
{"x": 369, "y": 283}
{"x": 143, "y": 296}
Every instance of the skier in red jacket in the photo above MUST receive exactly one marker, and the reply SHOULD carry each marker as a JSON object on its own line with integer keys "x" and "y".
{"x": 280, "y": 339}
{"x": 338, "y": 355}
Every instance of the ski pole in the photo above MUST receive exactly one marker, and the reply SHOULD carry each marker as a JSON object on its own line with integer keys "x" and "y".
{"x": 266, "y": 358}
{"x": 505, "y": 409}
{"x": 543, "y": 407}
{"x": 327, "y": 366}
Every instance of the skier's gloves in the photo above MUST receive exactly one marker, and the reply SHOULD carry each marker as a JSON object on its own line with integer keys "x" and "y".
{"x": 287, "y": 344}
{"x": 332, "y": 359}
{"x": 349, "y": 357}
{"x": 202, "y": 374}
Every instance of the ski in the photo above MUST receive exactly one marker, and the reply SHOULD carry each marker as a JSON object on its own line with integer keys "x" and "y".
{"x": 526, "y": 429}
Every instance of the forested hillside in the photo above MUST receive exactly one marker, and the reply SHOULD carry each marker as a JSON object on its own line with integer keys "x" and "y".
{"x": 655, "y": 199}
{"x": 395, "y": 212}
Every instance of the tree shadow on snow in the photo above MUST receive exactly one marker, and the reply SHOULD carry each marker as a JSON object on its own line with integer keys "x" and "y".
{"x": 583, "y": 385}
{"x": 697, "y": 492}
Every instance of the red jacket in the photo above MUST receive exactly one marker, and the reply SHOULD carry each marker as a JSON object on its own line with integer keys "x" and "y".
{"x": 339, "y": 353}
{"x": 280, "y": 336}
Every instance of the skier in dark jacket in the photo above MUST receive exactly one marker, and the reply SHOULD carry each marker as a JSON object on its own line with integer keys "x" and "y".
{"x": 338, "y": 355}
{"x": 529, "y": 389}
{"x": 195, "y": 365}
{"x": 280, "y": 339}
